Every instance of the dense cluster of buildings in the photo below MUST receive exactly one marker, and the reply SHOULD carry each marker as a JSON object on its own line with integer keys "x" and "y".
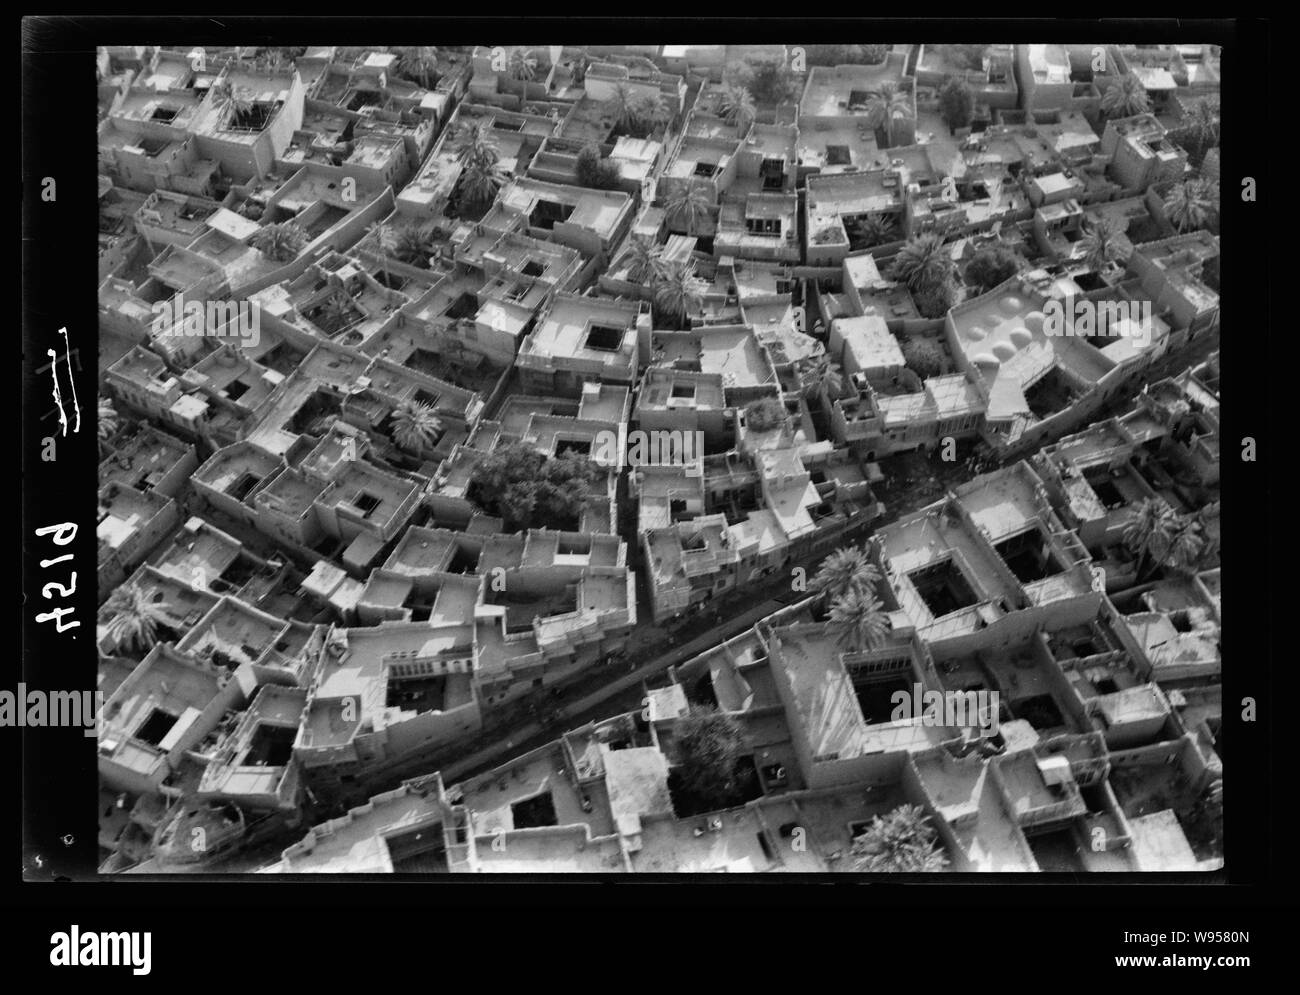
{"x": 433, "y": 380}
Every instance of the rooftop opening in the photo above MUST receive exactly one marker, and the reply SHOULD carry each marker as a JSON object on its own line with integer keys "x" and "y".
{"x": 1040, "y": 712}
{"x": 838, "y": 155}
{"x": 244, "y": 483}
{"x": 366, "y": 503}
{"x": 546, "y": 213}
{"x": 464, "y": 306}
{"x": 943, "y": 588}
{"x": 463, "y": 561}
{"x": 579, "y": 447}
{"x": 686, "y": 390}
{"x": 533, "y": 268}
{"x": 1028, "y": 556}
{"x": 419, "y": 851}
{"x": 1107, "y": 493}
{"x": 272, "y": 746}
{"x": 1056, "y": 851}
{"x": 875, "y": 697}
{"x": 605, "y": 337}
{"x": 534, "y": 812}
{"x": 155, "y": 728}
{"x": 164, "y": 114}
{"x": 705, "y": 169}
{"x": 419, "y": 694}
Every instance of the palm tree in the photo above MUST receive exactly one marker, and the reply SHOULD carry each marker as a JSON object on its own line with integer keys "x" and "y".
{"x": 1190, "y": 203}
{"x": 814, "y": 373}
{"x": 135, "y": 619}
{"x": 888, "y": 106}
{"x": 419, "y": 65}
{"x": 873, "y": 229}
{"x": 649, "y": 113}
{"x": 861, "y": 616}
{"x": 678, "y": 292}
{"x": 1101, "y": 245}
{"x": 522, "y": 65}
{"x": 847, "y": 569}
{"x": 738, "y": 105}
{"x": 480, "y": 182}
{"x": 923, "y": 264}
{"x": 108, "y": 424}
{"x": 688, "y": 206}
{"x": 337, "y": 309}
{"x": 383, "y": 234}
{"x": 1203, "y": 123}
{"x": 415, "y": 426}
{"x": 477, "y": 143}
{"x": 901, "y": 840}
{"x": 644, "y": 259}
{"x": 280, "y": 243}
{"x": 622, "y": 105}
{"x": 481, "y": 176}
{"x": 1125, "y": 97}
{"x": 414, "y": 245}
{"x": 1185, "y": 545}
{"x": 1150, "y": 532}
{"x": 1199, "y": 132}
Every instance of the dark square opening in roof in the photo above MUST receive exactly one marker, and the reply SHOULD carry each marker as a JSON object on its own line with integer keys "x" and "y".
{"x": 1028, "y": 556}
{"x": 705, "y": 168}
{"x": 533, "y": 268}
{"x": 366, "y": 503}
{"x": 838, "y": 155}
{"x": 164, "y": 114}
{"x": 464, "y": 306}
{"x": 272, "y": 746}
{"x": 579, "y": 447}
{"x": 155, "y": 728}
{"x": 605, "y": 337}
{"x": 532, "y": 813}
{"x": 943, "y": 588}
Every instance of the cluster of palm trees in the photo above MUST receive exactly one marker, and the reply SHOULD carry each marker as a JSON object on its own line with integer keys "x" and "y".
{"x": 737, "y": 105}
{"x": 887, "y": 108}
{"x": 1125, "y": 97}
{"x": 107, "y": 423}
{"x": 281, "y": 242}
{"x": 1102, "y": 245}
{"x": 481, "y": 175}
{"x": 871, "y": 229}
{"x": 415, "y": 426}
{"x": 847, "y": 580}
{"x": 635, "y": 115}
{"x": 1199, "y": 132}
{"x": 412, "y": 244}
{"x": 135, "y": 619}
{"x": 675, "y": 289}
{"x": 338, "y": 310}
{"x": 419, "y": 65}
{"x": 1191, "y": 203}
{"x": 522, "y": 65}
{"x": 1159, "y": 535}
{"x": 689, "y": 206}
{"x": 925, "y": 266}
{"x": 899, "y": 841}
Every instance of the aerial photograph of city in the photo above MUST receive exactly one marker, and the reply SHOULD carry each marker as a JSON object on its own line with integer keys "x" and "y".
{"x": 658, "y": 459}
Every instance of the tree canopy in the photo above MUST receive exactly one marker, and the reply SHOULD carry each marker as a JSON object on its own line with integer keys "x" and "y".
{"x": 530, "y": 490}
